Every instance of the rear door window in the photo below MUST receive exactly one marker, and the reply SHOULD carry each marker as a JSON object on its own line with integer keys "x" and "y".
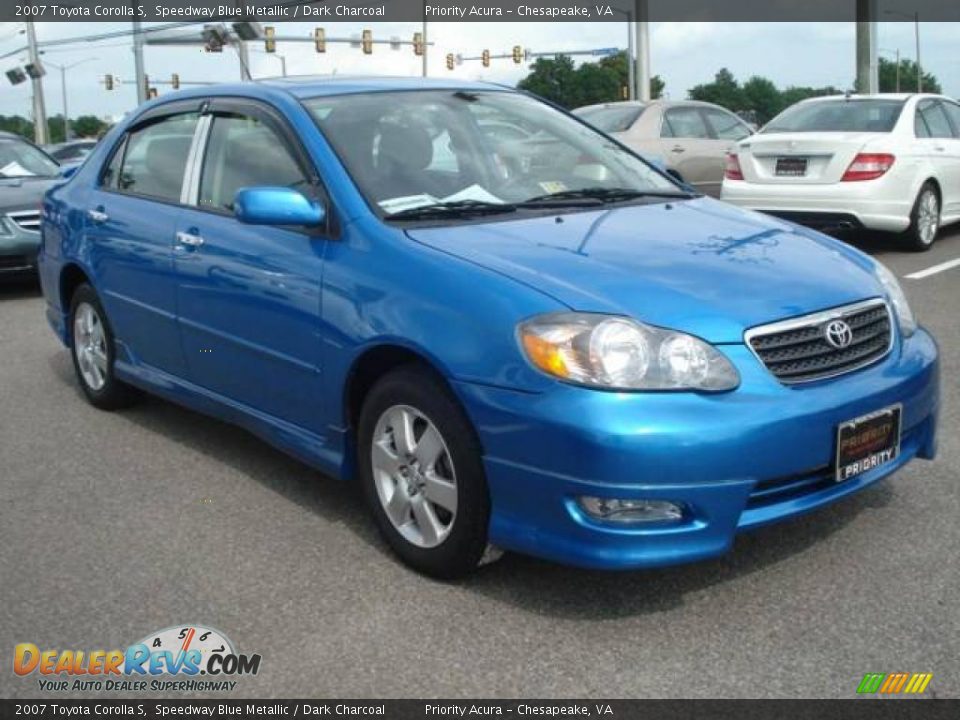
{"x": 155, "y": 158}
{"x": 935, "y": 119}
{"x": 726, "y": 126}
{"x": 684, "y": 122}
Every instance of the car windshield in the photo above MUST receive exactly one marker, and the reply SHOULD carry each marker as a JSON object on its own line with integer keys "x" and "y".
{"x": 838, "y": 116}
{"x": 414, "y": 149}
{"x": 21, "y": 159}
{"x": 612, "y": 118}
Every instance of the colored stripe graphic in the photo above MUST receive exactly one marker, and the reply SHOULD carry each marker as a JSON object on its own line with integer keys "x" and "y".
{"x": 894, "y": 683}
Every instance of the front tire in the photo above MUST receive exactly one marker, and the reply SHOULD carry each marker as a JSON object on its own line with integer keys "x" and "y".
{"x": 422, "y": 476}
{"x": 924, "y": 220}
{"x": 92, "y": 349}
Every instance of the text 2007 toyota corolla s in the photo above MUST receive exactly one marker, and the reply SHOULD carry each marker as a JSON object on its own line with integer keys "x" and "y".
{"x": 513, "y": 332}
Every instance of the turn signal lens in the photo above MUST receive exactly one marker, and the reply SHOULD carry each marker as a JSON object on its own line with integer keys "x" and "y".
{"x": 868, "y": 166}
{"x": 732, "y": 170}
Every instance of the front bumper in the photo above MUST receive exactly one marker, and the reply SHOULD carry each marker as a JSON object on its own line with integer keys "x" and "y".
{"x": 18, "y": 251}
{"x": 875, "y": 204}
{"x": 736, "y": 460}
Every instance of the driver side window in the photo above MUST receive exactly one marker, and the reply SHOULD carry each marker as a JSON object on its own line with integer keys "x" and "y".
{"x": 244, "y": 152}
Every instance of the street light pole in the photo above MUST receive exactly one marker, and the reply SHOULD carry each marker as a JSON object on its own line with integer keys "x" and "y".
{"x": 424, "y": 33}
{"x": 138, "y": 69}
{"x": 40, "y": 131}
{"x": 63, "y": 87}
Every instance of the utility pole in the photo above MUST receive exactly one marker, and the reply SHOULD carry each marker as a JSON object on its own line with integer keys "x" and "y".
{"x": 424, "y": 58}
{"x": 916, "y": 32}
{"x": 138, "y": 69}
{"x": 41, "y": 133}
{"x": 631, "y": 59}
{"x": 642, "y": 17}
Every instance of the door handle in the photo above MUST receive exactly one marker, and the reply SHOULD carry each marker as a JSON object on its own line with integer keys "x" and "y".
{"x": 189, "y": 239}
{"x": 98, "y": 216}
{"x": 678, "y": 149}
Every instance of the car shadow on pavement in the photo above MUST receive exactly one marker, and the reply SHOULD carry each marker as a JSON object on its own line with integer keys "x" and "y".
{"x": 529, "y": 584}
{"x": 19, "y": 289}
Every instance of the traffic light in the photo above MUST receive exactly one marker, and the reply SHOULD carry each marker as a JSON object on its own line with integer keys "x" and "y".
{"x": 146, "y": 86}
{"x": 418, "y": 43}
{"x": 367, "y": 42}
{"x": 517, "y": 54}
{"x": 175, "y": 81}
{"x": 449, "y": 61}
{"x": 624, "y": 92}
{"x": 108, "y": 82}
{"x": 320, "y": 39}
{"x": 485, "y": 56}
{"x": 269, "y": 44}
{"x": 151, "y": 93}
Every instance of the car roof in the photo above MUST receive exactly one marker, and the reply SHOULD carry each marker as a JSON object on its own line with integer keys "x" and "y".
{"x": 651, "y": 103}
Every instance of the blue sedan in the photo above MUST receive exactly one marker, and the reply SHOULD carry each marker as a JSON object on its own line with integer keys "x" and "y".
{"x": 531, "y": 341}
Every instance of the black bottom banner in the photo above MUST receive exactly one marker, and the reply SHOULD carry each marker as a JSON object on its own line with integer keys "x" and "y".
{"x": 404, "y": 709}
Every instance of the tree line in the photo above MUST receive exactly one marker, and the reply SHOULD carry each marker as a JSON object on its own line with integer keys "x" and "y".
{"x": 758, "y": 99}
{"x": 84, "y": 126}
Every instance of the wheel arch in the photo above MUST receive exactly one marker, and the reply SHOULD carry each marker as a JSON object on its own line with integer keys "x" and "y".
{"x": 72, "y": 276}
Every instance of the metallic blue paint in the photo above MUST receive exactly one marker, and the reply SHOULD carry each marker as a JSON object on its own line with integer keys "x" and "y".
{"x": 263, "y": 326}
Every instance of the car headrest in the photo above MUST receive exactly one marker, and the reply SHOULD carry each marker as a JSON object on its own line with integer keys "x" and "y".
{"x": 166, "y": 158}
{"x": 404, "y": 146}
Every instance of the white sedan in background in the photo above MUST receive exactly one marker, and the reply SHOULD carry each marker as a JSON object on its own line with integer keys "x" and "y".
{"x": 881, "y": 162}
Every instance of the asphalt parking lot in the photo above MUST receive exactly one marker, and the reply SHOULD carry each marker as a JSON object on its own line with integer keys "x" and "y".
{"x": 116, "y": 525}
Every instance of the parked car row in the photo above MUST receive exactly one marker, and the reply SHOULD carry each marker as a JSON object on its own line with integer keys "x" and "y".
{"x": 886, "y": 162}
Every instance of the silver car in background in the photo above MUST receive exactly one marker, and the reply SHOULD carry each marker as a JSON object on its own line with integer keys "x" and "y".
{"x": 692, "y": 138}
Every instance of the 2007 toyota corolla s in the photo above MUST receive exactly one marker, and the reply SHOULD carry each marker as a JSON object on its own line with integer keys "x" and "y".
{"x": 511, "y": 330}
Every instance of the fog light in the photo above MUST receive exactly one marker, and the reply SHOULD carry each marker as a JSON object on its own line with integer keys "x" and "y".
{"x": 630, "y": 511}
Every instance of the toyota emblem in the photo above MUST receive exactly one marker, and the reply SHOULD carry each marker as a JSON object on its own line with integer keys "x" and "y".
{"x": 838, "y": 334}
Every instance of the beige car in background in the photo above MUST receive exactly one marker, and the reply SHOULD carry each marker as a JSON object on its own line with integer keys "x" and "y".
{"x": 691, "y": 138}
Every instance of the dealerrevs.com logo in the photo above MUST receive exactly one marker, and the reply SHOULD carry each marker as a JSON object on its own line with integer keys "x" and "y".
{"x": 183, "y": 658}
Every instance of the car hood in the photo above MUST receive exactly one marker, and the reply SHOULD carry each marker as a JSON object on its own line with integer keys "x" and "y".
{"x": 700, "y": 266}
{"x": 23, "y": 193}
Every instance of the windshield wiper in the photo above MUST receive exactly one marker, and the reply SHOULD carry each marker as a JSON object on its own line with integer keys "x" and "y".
{"x": 599, "y": 195}
{"x": 454, "y": 209}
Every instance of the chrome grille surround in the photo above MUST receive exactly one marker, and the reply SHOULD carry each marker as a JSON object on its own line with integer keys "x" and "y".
{"x": 796, "y": 351}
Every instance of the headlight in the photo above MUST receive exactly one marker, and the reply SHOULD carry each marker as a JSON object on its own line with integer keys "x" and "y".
{"x": 617, "y": 353}
{"x": 908, "y": 323}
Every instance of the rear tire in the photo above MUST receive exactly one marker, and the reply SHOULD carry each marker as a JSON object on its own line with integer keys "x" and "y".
{"x": 422, "y": 476}
{"x": 924, "y": 220}
{"x": 92, "y": 350}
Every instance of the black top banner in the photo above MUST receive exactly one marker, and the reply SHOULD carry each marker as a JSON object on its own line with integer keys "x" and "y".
{"x": 330, "y": 11}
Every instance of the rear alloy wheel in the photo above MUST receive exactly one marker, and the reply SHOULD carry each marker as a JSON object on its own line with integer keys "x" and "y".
{"x": 422, "y": 475}
{"x": 924, "y": 219}
{"x": 92, "y": 351}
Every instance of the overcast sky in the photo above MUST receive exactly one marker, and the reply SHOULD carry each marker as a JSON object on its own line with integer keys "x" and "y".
{"x": 684, "y": 54}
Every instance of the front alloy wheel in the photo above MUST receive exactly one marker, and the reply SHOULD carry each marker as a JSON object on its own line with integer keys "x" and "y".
{"x": 422, "y": 473}
{"x": 414, "y": 476}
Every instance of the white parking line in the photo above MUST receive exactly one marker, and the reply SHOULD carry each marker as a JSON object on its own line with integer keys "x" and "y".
{"x": 934, "y": 269}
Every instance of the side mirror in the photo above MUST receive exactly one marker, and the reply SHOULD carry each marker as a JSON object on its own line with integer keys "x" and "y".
{"x": 68, "y": 171}
{"x": 276, "y": 206}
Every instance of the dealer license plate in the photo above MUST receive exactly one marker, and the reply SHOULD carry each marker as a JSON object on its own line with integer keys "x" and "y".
{"x": 868, "y": 442}
{"x": 791, "y": 166}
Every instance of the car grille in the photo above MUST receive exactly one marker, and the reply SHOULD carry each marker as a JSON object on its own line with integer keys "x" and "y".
{"x": 797, "y": 350}
{"x": 26, "y": 219}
